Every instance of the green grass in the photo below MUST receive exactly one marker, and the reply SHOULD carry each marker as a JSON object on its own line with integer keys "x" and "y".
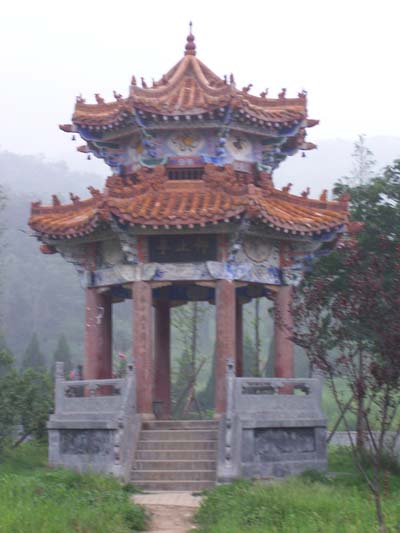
{"x": 38, "y": 499}
{"x": 311, "y": 503}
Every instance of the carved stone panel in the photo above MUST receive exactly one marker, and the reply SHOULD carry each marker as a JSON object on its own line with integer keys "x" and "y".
{"x": 271, "y": 443}
{"x": 86, "y": 441}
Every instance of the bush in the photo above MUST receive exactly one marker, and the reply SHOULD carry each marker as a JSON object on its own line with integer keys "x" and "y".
{"x": 37, "y": 499}
{"x": 311, "y": 503}
{"x": 25, "y": 399}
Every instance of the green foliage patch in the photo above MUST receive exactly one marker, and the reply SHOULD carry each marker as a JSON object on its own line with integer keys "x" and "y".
{"x": 311, "y": 503}
{"x": 38, "y": 499}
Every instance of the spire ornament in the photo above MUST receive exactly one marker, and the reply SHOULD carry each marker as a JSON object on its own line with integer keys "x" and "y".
{"x": 190, "y": 48}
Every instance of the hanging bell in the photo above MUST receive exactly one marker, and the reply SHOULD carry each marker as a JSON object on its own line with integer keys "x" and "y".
{"x": 303, "y": 154}
{"x": 73, "y": 138}
{"x": 89, "y": 157}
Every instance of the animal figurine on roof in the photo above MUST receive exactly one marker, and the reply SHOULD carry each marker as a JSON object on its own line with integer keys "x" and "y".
{"x": 99, "y": 99}
{"x": 117, "y": 96}
{"x": 282, "y": 94}
{"x": 264, "y": 94}
{"x": 144, "y": 84}
{"x": 306, "y": 193}
{"x": 287, "y": 187}
{"x": 56, "y": 201}
{"x": 94, "y": 192}
{"x": 247, "y": 88}
{"x": 74, "y": 198}
{"x": 324, "y": 195}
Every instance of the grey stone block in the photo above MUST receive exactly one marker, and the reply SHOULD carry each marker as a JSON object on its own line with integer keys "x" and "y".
{"x": 270, "y": 429}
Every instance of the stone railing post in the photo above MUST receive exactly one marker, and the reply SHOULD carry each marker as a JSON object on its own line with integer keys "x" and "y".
{"x": 230, "y": 377}
{"x": 318, "y": 375}
{"x": 59, "y": 387}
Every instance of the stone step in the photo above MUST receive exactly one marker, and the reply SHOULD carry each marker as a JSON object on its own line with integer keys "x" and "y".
{"x": 191, "y": 445}
{"x": 167, "y": 434}
{"x": 174, "y": 465}
{"x": 184, "y": 486}
{"x": 180, "y": 424}
{"x": 173, "y": 475}
{"x": 175, "y": 455}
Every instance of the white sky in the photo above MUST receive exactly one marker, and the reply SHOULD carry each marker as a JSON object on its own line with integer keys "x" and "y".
{"x": 345, "y": 53}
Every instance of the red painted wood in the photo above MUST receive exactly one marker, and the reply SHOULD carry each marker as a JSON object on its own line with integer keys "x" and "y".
{"x": 142, "y": 345}
{"x": 98, "y": 335}
{"x": 225, "y": 338}
{"x": 239, "y": 339}
{"x": 284, "y": 348}
{"x": 162, "y": 363}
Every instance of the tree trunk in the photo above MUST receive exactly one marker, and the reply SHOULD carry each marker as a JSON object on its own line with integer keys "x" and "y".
{"x": 360, "y": 423}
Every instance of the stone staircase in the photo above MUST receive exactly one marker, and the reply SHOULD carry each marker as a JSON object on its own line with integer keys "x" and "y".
{"x": 176, "y": 455}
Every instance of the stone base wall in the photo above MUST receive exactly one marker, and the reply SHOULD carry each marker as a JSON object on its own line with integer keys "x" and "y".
{"x": 272, "y": 428}
{"x": 95, "y": 425}
{"x": 82, "y": 449}
{"x": 278, "y": 452}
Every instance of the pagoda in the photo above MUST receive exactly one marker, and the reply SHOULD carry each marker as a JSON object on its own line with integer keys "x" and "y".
{"x": 189, "y": 213}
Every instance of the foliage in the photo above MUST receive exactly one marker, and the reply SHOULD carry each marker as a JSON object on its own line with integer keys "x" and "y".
{"x": 206, "y": 396}
{"x": 33, "y": 357}
{"x": 62, "y": 354}
{"x": 188, "y": 320}
{"x": 250, "y": 360}
{"x": 34, "y": 498}
{"x": 26, "y": 399}
{"x": 363, "y": 163}
{"x": 311, "y": 503}
{"x": 347, "y": 318}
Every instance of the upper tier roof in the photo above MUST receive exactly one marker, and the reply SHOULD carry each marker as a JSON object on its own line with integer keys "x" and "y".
{"x": 191, "y": 88}
{"x": 149, "y": 199}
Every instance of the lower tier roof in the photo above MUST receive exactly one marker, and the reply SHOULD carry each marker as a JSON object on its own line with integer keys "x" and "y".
{"x": 150, "y": 199}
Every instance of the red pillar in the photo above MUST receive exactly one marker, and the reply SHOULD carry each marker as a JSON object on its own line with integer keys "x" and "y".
{"x": 284, "y": 348}
{"x": 225, "y": 338}
{"x": 162, "y": 365}
{"x": 239, "y": 338}
{"x": 98, "y": 335}
{"x": 142, "y": 345}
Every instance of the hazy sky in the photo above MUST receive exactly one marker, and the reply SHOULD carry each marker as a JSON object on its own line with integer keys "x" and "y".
{"x": 345, "y": 53}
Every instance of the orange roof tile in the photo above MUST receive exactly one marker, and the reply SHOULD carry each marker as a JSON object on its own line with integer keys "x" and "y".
{"x": 151, "y": 200}
{"x": 190, "y": 88}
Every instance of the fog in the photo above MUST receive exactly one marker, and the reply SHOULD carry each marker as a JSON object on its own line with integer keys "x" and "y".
{"x": 343, "y": 53}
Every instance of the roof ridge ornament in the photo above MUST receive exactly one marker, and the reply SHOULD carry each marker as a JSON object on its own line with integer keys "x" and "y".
{"x": 190, "y": 48}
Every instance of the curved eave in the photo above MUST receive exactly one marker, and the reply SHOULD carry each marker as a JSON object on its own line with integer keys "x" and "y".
{"x": 66, "y": 221}
{"x": 191, "y": 88}
{"x": 164, "y": 209}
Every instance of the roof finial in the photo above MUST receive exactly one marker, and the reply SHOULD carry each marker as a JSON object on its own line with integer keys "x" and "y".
{"x": 190, "y": 48}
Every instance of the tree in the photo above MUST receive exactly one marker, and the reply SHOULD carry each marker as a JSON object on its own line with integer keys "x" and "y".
{"x": 363, "y": 163}
{"x": 26, "y": 399}
{"x": 250, "y": 359}
{"x": 347, "y": 318}
{"x": 187, "y": 321}
{"x": 62, "y": 354}
{"x": 33, "y": 357}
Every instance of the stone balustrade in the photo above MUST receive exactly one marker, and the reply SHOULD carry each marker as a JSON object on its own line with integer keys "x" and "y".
{"x": 272, "y": 427}
{"x": 95, "y": 425}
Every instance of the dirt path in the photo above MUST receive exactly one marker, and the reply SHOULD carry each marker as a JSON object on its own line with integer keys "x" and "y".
{"x": 171, "y": 512}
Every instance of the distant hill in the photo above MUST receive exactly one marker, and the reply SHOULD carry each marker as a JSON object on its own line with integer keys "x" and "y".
{"x": 37, "y": 176}
{"x": 332, "y": 160}
{"x": 41, "y": 294}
